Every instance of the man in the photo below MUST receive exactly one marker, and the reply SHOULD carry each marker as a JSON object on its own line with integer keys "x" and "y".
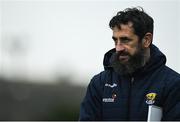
{"x": 135, "y": 75}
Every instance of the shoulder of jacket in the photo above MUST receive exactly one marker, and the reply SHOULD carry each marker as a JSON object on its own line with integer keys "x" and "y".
{"x": 102, "y": 77}
{"x": 172, "y": 78}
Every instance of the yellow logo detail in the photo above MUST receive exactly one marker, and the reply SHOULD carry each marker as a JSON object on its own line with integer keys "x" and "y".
{"x": 150, "y": 98}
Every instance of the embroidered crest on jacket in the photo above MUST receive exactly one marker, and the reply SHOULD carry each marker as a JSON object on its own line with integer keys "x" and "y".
{"x": 150, "y": 98}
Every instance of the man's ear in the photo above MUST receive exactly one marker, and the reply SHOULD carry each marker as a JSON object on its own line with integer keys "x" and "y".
{"x": 147, "y": 40}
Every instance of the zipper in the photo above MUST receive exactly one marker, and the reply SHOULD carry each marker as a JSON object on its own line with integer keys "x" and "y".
{"x": 129, "y": 97}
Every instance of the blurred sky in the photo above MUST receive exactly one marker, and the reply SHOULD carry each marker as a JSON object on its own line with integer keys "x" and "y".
{"x": 41, "y": 39}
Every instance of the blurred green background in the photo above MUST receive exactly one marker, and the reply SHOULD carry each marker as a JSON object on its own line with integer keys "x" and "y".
{"x": 33, "y": 101}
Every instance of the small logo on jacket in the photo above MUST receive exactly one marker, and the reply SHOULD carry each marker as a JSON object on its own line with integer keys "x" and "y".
{"x": 108, "y": 100}
{"x": 112, "y": 86}
{"x": 150, "y": 98}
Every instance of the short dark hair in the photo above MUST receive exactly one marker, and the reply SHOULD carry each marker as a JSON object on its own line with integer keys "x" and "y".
{"x": 142, "y": 22}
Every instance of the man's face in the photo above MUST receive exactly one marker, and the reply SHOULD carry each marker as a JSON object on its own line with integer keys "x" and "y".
{"x": 129, "y": 51}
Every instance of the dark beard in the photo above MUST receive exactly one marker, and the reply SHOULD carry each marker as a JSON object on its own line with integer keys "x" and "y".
{"x": 135, "y": 62}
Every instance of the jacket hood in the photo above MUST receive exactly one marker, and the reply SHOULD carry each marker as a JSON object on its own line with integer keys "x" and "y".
{"x": 157, "y": 59}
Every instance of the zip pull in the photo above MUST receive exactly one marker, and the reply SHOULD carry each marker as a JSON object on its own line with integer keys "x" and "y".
{"x": 132, "y": 80}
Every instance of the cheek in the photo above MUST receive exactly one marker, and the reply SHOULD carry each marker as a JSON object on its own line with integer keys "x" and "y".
{"x": 132, "y": 50}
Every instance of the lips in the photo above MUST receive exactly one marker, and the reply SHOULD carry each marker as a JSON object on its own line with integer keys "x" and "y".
{"x": 123, "y": 58}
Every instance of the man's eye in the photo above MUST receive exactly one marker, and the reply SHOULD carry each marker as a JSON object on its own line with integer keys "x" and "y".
{"x": 125, "y": 40}
{"x": 115, "y": 42}
{"x": 115, "y": 39}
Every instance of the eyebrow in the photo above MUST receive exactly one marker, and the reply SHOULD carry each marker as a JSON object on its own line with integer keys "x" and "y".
{"x": 121, "y": 38}
{"x": 125, "y": 38}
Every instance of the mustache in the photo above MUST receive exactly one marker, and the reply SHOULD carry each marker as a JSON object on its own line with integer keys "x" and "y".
{"x": 115, "y": 57}
{"x": 119, "y": 53}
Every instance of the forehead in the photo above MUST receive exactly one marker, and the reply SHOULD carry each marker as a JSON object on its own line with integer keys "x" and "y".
{"x": 124, "y": 29}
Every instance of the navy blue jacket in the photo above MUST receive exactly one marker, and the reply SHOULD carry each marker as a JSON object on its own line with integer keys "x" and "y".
{"x": 111, "y": 96}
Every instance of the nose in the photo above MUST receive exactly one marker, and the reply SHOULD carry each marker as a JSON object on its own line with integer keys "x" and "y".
{"x": 119, "y": 46}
